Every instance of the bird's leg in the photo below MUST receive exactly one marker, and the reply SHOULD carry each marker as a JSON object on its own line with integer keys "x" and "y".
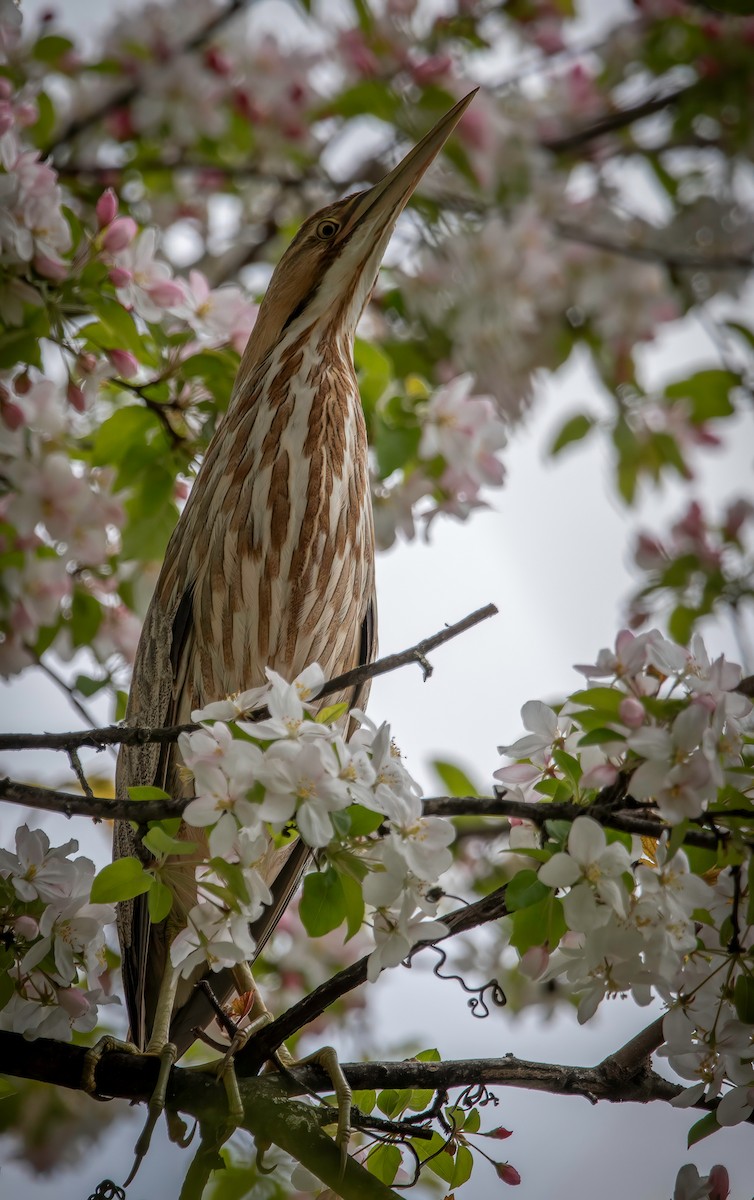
{"x": 158, "y": 1045}
{"x": 326, "y": 1057}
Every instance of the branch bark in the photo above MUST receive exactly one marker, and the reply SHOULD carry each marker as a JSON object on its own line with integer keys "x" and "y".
{"x": 133, "y": 1076}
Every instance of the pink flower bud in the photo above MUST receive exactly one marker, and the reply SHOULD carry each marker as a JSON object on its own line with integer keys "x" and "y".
{"x": 119, "y": 234}
{"x": 119, "y": 277}
{"x": 181, "y": 490}
{"x": 27, "y": 113}
{"x": 51, "y": 268}
{"x": 603, "y": 775}
{"x": 107, "y": 208}
{"x": 533, "y": 963}
{"x": 719, "y": 1183}
{"x": 73, "y": 1001}
{"x": 75, "y": 396}
{"x": 500, "y": 1133}
{"x": 166, "y": 293}
{"x": 25, "y": 927}
{"x": 125, "y": 363}
{"x": 217, "y": 60}
{"x": 631, "y": 712}
{"x": 86, "y": 362}
{"x": 6, "y": 90}
{"x": 508, "y": 1174}
{"x": 22, "y": 383}
{"x": 12, "y": 414}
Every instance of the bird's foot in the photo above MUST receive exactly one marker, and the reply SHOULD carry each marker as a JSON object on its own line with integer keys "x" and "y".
{"x": 327, "y": 1058}
{"x": 92, "y": 1058}
{"x": 167, "y": 1055}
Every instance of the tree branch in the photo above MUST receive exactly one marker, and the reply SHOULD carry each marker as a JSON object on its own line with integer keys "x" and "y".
{"x": 133, "y": 1076}
{"x": 603, "y": 810}
{"x": 125, "y": 735}
{"x": 674, "y": 260}
{"x": 611, "y": 122}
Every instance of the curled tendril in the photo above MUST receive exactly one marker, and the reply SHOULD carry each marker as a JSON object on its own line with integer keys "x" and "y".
{"x": 477, "y": 1096}
{"x": 477, "y": 1003}
{"x": 107, "y": 1190}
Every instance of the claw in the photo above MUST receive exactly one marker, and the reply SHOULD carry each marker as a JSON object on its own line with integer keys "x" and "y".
{"x": 92, "y": 1059}
{"x": 156, "y": 1107}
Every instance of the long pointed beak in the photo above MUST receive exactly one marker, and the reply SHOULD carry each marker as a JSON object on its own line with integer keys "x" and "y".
{"x": 382, "y": 204}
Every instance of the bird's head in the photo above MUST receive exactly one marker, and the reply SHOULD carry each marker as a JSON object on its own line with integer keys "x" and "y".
{"x": 328, "y": 271}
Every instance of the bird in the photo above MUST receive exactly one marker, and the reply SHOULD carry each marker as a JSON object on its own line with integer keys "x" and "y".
{"x": 271, "y": 563}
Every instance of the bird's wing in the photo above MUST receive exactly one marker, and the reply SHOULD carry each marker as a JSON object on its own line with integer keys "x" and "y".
{"x": 160, "y": 696}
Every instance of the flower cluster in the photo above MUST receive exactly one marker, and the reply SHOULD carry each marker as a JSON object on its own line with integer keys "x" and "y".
{"x": 668, "y": 717}
{"x": 460, "y": 436}
{"x": 630, "y": 916}
{"x": 53, "y": 947}
{"x": 292, "y": 771}
{"x": 58, "y": 516}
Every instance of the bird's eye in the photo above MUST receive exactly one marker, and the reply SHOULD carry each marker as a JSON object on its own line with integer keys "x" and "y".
{"x": 327, "y": 229}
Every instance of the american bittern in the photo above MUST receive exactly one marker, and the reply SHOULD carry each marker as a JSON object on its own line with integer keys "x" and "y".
{"x": 271, "y": 563}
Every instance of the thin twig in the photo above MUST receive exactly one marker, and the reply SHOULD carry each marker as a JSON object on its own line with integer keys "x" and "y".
{"x": 125, "y": 735}
{"x": 611, "y": 122}
{"x": 674, "y": 260}
{"x": 70, "y": 692}
{"x": 78, "y": 770}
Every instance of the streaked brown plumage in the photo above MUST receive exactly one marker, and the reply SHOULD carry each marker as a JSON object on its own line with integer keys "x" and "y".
{"x": 272, "y": 560}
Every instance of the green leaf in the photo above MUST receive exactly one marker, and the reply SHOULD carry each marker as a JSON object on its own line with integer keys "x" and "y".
{"x": 159, "y": 901}
{"x": 88, "y": 686}
{"x": 330, "y": 714}
{"x": 362, "y": 821}
{"x": 743, "y": 998}
{"x": 574, "y": 430}
{"x": 323, "y": 902}
{"x": 7, "y": 988}
{"x": 676, "y": 838}
{"x": 596, "y": 737}
{"x": 394, "y": 448}
{"x": 541, "y": 924}
{"x": 120, "y": 880}
{"x": 354, "y": 902}
{"x": 393, "y": 1101}
{"x": 365, "y": 1101}
{"x": 454, "y": 779}
{"x": 159, "y": 843}
{"x": 525, "y": 889}
{"x": 702, "y": 1129}
{"x": 462, "y": 1167}
{"x": 147, "y": 793}
{"x": 428, "y": 1056}
{"x": 605, "y": 699}
{"x": 570, "y": 766}
{"x": 127, "y": 426}
{"x": 50, "y": 48}
{"x": 86, "y": 617}
{"x": 708, "y": 393}
{"x": 384, "y": 1163}
{"x": 681, "y": 623}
